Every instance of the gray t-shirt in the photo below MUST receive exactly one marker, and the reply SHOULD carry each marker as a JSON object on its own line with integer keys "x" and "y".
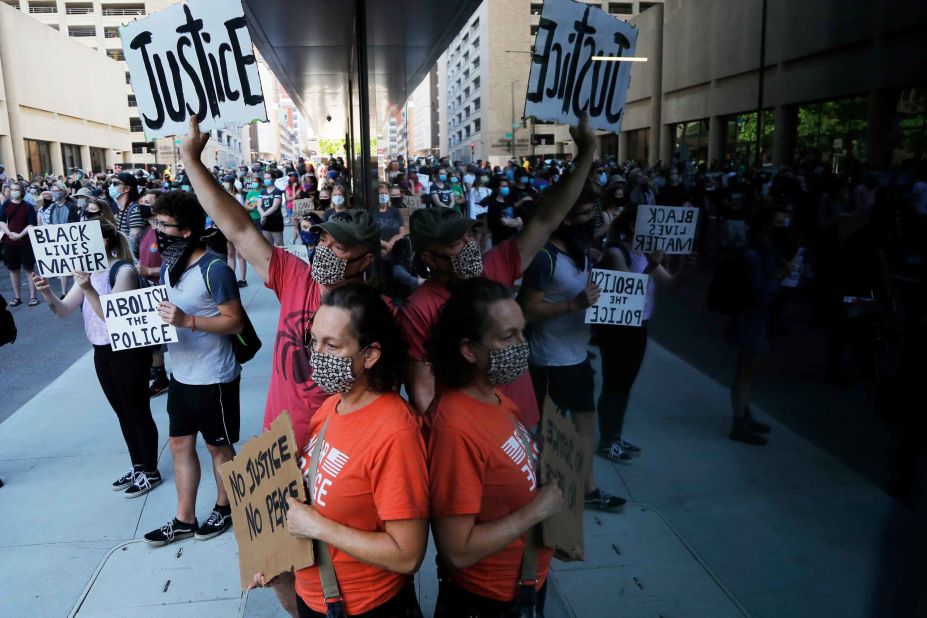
{"x": 198, "y": 357}
{"x": 562, "y": 340}
{"x": 388, "y": 222}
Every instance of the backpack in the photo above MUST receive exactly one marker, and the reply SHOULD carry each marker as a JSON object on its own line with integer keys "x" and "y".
{"x": 114, "y": 271}
{"x": 7, "y": 324}
{"x": 246, "y": 343}
{"x": 729, "y": 291}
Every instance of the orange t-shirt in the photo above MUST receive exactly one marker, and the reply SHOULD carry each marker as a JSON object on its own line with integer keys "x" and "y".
{"x": 371, "y": 470}
{"x": 478, "y": 467}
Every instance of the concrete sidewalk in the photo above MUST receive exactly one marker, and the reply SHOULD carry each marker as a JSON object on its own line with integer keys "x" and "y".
{"x": 713, "y": 528}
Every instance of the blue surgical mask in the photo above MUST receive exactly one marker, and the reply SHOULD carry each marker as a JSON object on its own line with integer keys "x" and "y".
{"x": 504, "y": 191}
{"x": 113, "y": 192}
{"x": 57, "y": 195}
{"x": 184, "y": 187}
{"x": 453, "y": 180}
{"x": 267, "y": 182}
{"x": 510, "y": 174}
{"x": 603, "y": 178}
{"x": 165, "y": 185}
{"x": 442, "y": 177}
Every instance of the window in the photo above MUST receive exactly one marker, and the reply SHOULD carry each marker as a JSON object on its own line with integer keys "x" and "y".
{"x": 476, "y": 83}
{"x": 476, "y": 43}
{"x": 110, "y": 33}
{"x": 834, "y": 128}
{"x": 466, "y": 93}
{"x": 38, "y": 156}
{"x": 475, "y": 24}
{"x": 534, "y": 30}
{"x": 620, "y": 8}
{"x": 536, "y": 8}
{"x": 132, "y": 101}
{"x": 543, "y": 139}
{"x": 647, "y": 5}
{"x": 476, "y": 104}
{"x": 43, "y": 7}
{"x": 911, "y": 119}
{"x": 116, "y": 54}
{"x": 135, "y": 125}
{"x": 741, "y": 136}
{"x": 78, "y": 8}
{"x": 128, "y": 78}
{"x": 82, "y": 32}
{"x": 97, "y": 160}
{"x": 639, "y": 145}
{"x": 123, "y": 9}
{"x": 691, "y": 140}
{"x": 70, "y": 156}
{"x": 476, "y": 125}
{"x": 476, "y": 62}
{"x": 142, "y": 147}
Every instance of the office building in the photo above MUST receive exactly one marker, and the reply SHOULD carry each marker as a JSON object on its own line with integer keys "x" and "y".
{"x": 52, "y": 117}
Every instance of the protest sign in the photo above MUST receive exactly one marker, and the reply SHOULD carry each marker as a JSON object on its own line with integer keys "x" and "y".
{"x": 132, "y": 319}
{"x": 258, "y": 482}
{"x": 622, "y": 300}
{"x": 193, "y": 59}
{"x": 563, "y": 461}
{"x": 302, "y": 208}
{"x": 565, "y": 81}
{"x": 299, "y": 251}
{"x": 69, "y": 247}
{"x": 426, "y": 182}
{"x": 670, "y": 229}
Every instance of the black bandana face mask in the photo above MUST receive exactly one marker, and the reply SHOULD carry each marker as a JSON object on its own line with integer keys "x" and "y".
{"x": 507, "y": 364}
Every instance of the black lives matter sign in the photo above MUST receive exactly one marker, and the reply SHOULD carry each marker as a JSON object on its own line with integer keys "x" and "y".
{"x": 670, "y": 229}
{"x": 70, "y": 247}
{"x": 565, "y": 81}
{"x": 258, "y": 482}
{"x": 193, "y": 59}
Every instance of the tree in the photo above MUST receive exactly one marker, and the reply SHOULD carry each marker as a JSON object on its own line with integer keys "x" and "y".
{"x": 331, "y": 147}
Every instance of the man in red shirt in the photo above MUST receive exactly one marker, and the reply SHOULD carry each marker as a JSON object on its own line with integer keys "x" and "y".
{"x": 344, "y": 253}
{"x": 444, "y": 240}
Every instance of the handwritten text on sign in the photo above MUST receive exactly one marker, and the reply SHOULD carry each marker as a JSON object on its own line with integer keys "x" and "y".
{"x": 70, "y": 247}
{"x": 622, "y": 299}
{"x": 563, "y": 461}
{"x": 670, "y": 229}
{"x": 258, "y": 482}
{"x": 565, "y": 81}
{"x": 193, "y": 59}
{"x": 132, "y": 319}
{"x": 300, "y": 251}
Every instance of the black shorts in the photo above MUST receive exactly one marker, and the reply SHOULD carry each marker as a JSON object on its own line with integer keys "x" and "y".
{"x": 18, "y": 256}
{"x": 570, "y": 387}
{"x": 210, "y": 409}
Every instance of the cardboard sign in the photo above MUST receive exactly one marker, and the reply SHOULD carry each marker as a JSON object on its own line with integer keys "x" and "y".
{"x": 622, "y": 300}
{"x": 299, "y": 251}
{"x": 565, "y": 81}
{"x": 63, "y": 249}
{"x": 132, "y": 319}
{"x": 426, "y": 183}
{"x": 258, "y": 482}
{"x": 193, "y": 59}
{"x": 670, "y": 229}
{"x": 563, "y": 460}
{"x": 302, "y": 208}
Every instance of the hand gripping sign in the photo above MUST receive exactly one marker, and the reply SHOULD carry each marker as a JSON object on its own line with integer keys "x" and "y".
{"x": 258, "y": 482}
{"x": 622, "y": 300}
{"x": 193, "y": 59}
{"x": 565, "y": 81}
{"x": 70, "y": 247}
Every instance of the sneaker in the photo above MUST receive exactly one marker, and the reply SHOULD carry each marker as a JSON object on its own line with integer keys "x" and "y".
{"x": 629, "y": 448}
{"x": 613, "y": 452}
{"x": 143, "y": 483}
{"x": 124, "y": 481}
{"x": 215, "y": 524}
{"x": 174, "y": 530}
{"x": 598, "y": 500}
{"x": 740, "y": 432}
{"x": 754, "y": 425}
{"x": 159, "y": 385}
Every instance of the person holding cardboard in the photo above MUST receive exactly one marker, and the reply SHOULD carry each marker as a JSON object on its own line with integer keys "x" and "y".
{"x": 485, "y": 499}
{"x": 123, "y": 375}
{"x": 364, "y": 467}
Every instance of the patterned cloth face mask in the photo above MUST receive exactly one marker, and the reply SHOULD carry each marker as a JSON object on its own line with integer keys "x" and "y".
{"x": 469, "y": 262}
{"x": 328, "y": 268}
{"x": 506, "y": 364}
{"x": 332, "y": 373}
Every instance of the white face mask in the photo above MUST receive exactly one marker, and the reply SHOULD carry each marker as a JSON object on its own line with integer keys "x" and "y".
{"x": 384, "y": 198}
{"x": 337, "y": 200}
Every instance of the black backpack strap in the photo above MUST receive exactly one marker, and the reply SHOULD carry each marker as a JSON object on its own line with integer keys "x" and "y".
{"x": 114, "y": 270}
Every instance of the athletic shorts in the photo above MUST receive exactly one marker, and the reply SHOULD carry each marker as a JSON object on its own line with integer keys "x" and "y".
{"x": 210, "y": 409}
{"x": 18, "y": 256}
{"x": 570, "y": 387}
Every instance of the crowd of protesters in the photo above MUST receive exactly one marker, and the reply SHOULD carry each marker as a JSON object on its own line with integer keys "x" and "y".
{"x": 463, "y": 287}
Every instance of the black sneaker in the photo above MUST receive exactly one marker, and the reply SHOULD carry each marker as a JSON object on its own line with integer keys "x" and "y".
{"x": 629, "y": 448}
{"x": 613, "y": 452}
{"x": 174, "y": 530}
{"x": 142, "y": 483}
{"x": 217, "y": 523}
{"x": 598, "y": 500}
{"x": 159, "y": 385}
{"x": 125, "y": 481}
{"x": 754, "y": 425}
{"x": 740, "y": 432}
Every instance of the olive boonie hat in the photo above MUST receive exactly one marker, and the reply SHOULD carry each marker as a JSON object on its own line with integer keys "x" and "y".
{"x": 438, "y": 225}
{"x": 351, "y": 227}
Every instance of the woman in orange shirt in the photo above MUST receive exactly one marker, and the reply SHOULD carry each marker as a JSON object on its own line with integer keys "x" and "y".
{"x": 485, "y": 502}
{"x": 369, "y": 497}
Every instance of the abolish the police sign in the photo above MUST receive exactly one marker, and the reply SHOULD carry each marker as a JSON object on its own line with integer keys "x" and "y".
{"x": 621, "y": 302}
{"x": 70, "y": 247}
{"x": 193, "y": 59}
{"x": 670, "y": 229}
{"x": 565, "y": 81}
{"x": 132, "y": 319}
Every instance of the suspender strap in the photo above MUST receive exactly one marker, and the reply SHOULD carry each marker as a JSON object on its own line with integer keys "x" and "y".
{"x": 322, "y": 557}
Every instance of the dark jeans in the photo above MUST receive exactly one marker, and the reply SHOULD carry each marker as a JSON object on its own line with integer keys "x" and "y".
{"x": 455, "y": 602}
{"x": 622, "y": 349}
{"x": 403, "y": 605}
{"x": 124, "y": 378}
